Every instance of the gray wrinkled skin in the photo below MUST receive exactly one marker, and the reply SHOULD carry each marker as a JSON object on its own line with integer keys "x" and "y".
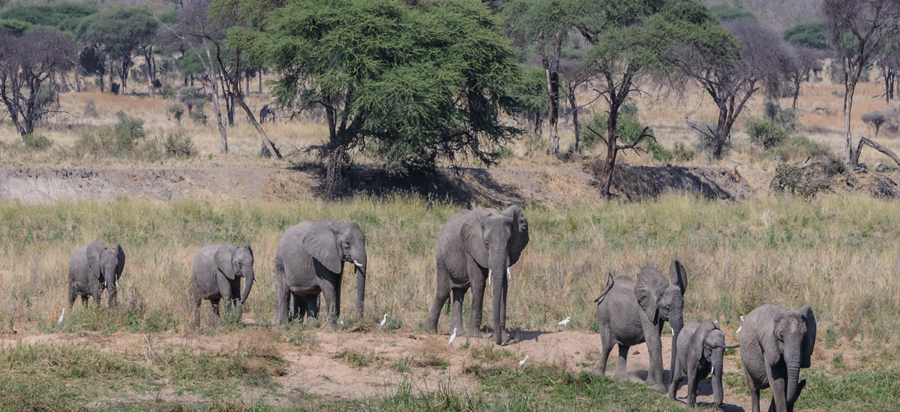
{"x": 472, "y": 245}
{"x": 216, "y": 275}
{"x": 630, "y": 312}
{"x": 95, "y": 267}
{"x": 776, "y": 343}
{"x": 310, "y": 260}
{"x": 701, "y": 352}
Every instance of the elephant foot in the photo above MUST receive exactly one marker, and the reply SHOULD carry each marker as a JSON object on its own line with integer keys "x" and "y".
{"x": 659, "y": 387}
{"x": 599, "y": 372}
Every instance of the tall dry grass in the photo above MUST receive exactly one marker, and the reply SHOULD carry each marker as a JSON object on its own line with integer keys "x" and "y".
{"x": 837, "y": 253}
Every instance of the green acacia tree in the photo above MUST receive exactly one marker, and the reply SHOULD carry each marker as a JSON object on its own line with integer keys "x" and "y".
{"x": 414, "y": 82}
{"x": 121, "y": 33}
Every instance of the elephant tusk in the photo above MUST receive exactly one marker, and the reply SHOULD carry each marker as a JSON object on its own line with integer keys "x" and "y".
{"x": 508, "y": 274}
{"x": 490, "y": 273}
{"x": 357, "y": 263}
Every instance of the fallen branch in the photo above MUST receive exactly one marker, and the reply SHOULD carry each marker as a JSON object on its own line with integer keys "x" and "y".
{"x": 878, "y": 147}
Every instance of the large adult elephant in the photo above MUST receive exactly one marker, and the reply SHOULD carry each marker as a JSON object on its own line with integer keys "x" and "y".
{"x": 630, "y": 312}
{"x": 94, "y": 267}
{"x": 216, "y": 274}
{"x": 775, "y": 343}
{"x": 310, "y": 260}
{"x": 473, "y": 245}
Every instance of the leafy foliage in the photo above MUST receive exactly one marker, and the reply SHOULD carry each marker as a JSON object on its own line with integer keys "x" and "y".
{"x": 120, "y": 32}
{"x": 61, "y": 16}
{"x": 628, "y": 128}
{"x": 725, "y": 12}
{"x": 874, "y": 119}
{"x": 415, "y": 82}
{"x": 812, "y": 35}
{"x": 766, "y": 133}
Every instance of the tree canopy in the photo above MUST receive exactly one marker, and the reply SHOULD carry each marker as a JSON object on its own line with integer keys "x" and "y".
{"x": 119, "y": 33}
{"x": 410, "y": 83}
{"x": 811, "y": 35}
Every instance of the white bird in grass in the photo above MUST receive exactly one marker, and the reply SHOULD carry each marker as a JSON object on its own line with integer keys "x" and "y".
{"x": 452, "y": 337}
{"x": 565, "y": 322}
{"x": 522, "y": 362}
{"x": 383, "y": 321}
{"x": 342, "y": 324}
{"x": 739, "y": 327}
{"x": 61, "y": 316}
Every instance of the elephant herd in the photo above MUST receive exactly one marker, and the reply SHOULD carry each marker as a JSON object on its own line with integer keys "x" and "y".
{"x": 476, "y": 248}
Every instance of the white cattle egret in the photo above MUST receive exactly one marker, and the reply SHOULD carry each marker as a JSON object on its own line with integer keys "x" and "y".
{"x": 522, "y": 362}
{"x": 61, "y": 316}
{"x": 452, "y": 337}
{"x": 565, "y": 322}
{"x": 739, "y": 327}
{"x": 383, "y": 321}
{"x": 342, "y": 324}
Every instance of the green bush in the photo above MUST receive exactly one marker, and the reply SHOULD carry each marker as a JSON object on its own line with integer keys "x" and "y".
{"x": 37, "y": 141}
{"x": 177, "y": 111}
{"x": 766, "y": 133}
{"x": 128, "y": 131}
{"x": 179, "y": 145}
{"x": 112, "y": 141}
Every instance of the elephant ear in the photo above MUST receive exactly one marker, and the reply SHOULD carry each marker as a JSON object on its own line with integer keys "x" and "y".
{"x": 472, "y": 235}
{"x": 247, "y": 246}
{"x": 320, "y": 241}
{"x": 94, "y": 251}
{"x": 518, "y": 233}
{"x": 809, "y": 342}
{"x": 678, "y": 276}
{"x": 223, "y": 259}
{"x": 649, "y": 287}
{"x": 120, "y": 257}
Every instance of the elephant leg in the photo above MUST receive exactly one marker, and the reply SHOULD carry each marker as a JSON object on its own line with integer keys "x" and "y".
{"x": 311, "y": 306}
{"x": 622, "y": 362}
{"x": 72, "y": 296}
{"x": 294, "y": 308}
{"x": 654, "y": 346}
{"x": 282, "y": 294}
{"x": 692, "y": 381}
{"x": 328, "y": 290}
{"x": 84, "y": 300}
{"x": 478, "y": 279}
{"x": 456, "y": 321}
{"x": 504, "y": 336}
{"x": 225, "y": 290}
{"x": 235, "y": 299}
{"x": 606, "y": 346}
{"x": 440, "y": 298}
{"x": 215, "y": 308}
{"x": 676, "y": 379}
{"x": 754, "y": 392}
{"x": 95, "y": 292}
{"x": 337, "y": 300}
{"x": 779, "y": 391}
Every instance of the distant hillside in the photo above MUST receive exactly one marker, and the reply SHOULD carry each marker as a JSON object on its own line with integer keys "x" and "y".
{"x": 780, "y": 14}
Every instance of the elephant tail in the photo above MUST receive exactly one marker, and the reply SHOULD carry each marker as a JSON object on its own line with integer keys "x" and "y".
{"x": 732, "y": 346}
{"x": 609, "y": 285}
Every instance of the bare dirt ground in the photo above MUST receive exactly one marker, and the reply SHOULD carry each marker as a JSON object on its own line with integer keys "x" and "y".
{"x": 322, "y": 368}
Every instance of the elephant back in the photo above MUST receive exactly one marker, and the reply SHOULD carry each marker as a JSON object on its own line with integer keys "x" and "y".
{"x": 78, "y": 264}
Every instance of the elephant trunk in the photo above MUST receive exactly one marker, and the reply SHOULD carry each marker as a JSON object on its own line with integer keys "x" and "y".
{"x": 676, "y": 321}
{"x": 717, "y": 364}
{"x": 248, "y": 278}
{"x": 112, "y": 285}
{"x": 498, "y": 266}
{"x": 792, "y": 361}
{"x": 360, "y": 265}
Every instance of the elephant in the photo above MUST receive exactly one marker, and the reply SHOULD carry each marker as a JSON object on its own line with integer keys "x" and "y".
{"x": 472, "y": 246}
{"x": 95, "y": 267}
{"x": 216, "y": 274}
{"x": 776, "y": 343}
{"x": 309, "y": 261}
{"x": 630, "y": 312}
{"x": 701, "y": 350}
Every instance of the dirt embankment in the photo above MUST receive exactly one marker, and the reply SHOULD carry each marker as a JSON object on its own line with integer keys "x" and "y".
{"x": 561, "y": 185}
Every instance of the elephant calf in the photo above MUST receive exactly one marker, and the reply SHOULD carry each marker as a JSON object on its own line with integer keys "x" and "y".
{"x": 216, "y": 274}
{"x": 95, "y": 267}
{"x": 701, "y": 350}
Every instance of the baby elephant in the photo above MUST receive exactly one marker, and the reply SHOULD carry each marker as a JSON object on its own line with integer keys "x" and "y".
{"x": 217, "y": 272}
{"x": 95, "y": 267}
{"x": 701, "y": 348}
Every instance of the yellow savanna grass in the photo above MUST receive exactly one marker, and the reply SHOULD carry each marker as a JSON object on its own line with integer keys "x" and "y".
{"x": 837, "y": 253}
